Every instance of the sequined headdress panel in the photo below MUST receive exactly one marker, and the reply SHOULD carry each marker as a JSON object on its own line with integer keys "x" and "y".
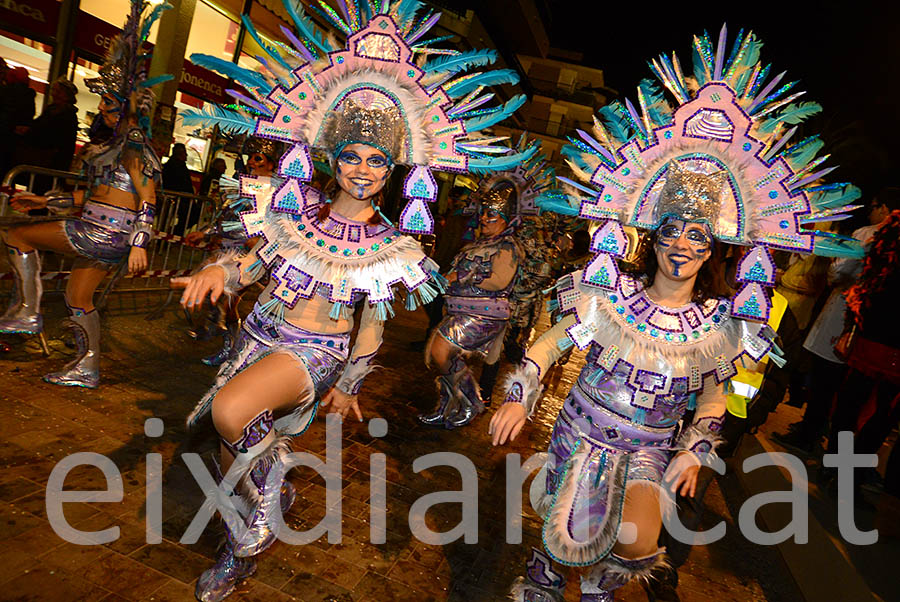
{"x": 690, "y": 195}
{"x": 388, "y": 85}
{"x": 378, "y": 124}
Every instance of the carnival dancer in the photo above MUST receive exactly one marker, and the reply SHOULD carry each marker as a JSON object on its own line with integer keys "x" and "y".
{"x": 117, "y": 210}
{"x": 226, "y": 233}
{"x": 483, "y": 278}
{"x": 717, "y": 168}
{"x": 369, "y": 106}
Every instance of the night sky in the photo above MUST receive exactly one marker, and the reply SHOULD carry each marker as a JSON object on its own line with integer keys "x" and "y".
{"x": 847, "y": 60}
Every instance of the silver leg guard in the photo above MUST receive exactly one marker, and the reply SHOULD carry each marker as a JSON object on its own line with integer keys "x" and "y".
{"x": 541, "y": 583}
{"x": 263, "y": 484}
{"x": 613, "y": 572}
{"x": 470, "y": 404}
{"x": 24, "y": 314}
{"x": 84, "y": 371}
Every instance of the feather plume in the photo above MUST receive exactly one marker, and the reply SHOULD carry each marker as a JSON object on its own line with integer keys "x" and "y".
{"x": 306, "y": 27}
{"x": 212, "y": 115}
{"x": 462, "y": 61}
{"x": 479, "y": 123}
{"x": 245, "y": 77}
{"x": 468, "y": 83}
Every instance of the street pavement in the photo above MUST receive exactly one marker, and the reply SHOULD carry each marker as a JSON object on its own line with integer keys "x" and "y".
{"x": 151, "y": 369}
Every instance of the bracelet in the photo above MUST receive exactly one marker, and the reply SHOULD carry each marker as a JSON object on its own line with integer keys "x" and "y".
{"x": 142, "y": 230}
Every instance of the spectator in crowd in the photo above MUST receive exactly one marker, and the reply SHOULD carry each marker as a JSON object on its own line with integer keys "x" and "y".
{"x": 50, "y": 139}
{"x": 828, "y": 370}
{"x": 874, "y": 359}
{"x": 16, "y": 114}
{"x": 176, "y": 177}
{"x": 216, "y": 171}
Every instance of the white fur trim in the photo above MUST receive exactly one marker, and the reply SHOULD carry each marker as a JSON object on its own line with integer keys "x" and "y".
{"x": 526, "y": 376}
{"x": 228, "y": 261}
{"x": 559, "y": 543}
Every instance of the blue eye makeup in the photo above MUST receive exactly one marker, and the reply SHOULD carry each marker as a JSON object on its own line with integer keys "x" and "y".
{"x": 696, "y": 236}
{"x": 376, "y": 162}
{"x": 350, "y": 158}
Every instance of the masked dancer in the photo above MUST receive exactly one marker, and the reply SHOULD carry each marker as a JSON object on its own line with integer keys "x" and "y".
{"x": 719, "y": 167}
{"x": 482, "y": 278}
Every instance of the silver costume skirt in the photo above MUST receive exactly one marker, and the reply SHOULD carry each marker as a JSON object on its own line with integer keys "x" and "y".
{"x": 322, "y": 356}
{"x": 102, "y": 232}
{"x": 474, "y": 333}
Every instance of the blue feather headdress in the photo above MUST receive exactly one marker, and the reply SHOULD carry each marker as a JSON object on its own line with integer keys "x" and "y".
{"x": 304, "y": 88}
{"x": 730, "y": 122}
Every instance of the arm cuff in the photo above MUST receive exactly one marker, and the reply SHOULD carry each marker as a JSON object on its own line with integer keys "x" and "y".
{"x": 701, "y": 437}
{"x": 351, "y": 379}
{"x": 524, "y": 386}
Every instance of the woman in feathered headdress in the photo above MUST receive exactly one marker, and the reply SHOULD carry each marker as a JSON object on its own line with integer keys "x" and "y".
{"x": 369, "y": 105}
{"x": 713, "y": 170}
{"x": 483, "y": 278}
{"x": 117, "y": 209}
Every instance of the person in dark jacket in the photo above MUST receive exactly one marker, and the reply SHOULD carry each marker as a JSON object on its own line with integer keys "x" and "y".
{"x": 176, "y": 177}
{"x": 50, "y": 139}
{"x": 16, "y": 114}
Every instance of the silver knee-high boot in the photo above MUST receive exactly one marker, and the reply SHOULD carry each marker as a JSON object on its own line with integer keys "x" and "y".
{"x": 541, "y": 582}
{"x": 84, "y": 371}
{"x": 614, "y": 571}
{"x": 24, "y": 313}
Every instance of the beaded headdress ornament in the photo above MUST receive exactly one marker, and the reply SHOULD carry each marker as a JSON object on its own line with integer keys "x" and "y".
{"x": 724, "y": 153}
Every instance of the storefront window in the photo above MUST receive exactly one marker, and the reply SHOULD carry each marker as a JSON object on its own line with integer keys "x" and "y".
{"x": 211, "y": 33}
{"x": 114, "y": 12}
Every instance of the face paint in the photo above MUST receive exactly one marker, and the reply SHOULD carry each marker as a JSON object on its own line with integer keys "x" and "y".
{"x": 682, "y": 247}
{"x": 362, "y": 170}
{"x": 109, "y": 109}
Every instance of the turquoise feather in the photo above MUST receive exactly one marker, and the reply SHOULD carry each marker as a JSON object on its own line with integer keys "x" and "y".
{"x": 228, "y": 121}
{"x": 829, "y": 199}
{"x": 829, "y": 247}
{"x": 495, "y": 164}
{"x": 149, "y": 83}
{"x": 479, "y": 123}
{"x": 490, "y": 78}
{"x": 616, "y": 124}
{"x": 306, "y": 27}
{"x": 462, "y": 61}
{"x": 245, "y": 77}
{"x": 251, "y": 29}
{"x": 792, "y": 114}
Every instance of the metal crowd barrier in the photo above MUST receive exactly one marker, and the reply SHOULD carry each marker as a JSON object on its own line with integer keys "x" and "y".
{"x": 167, "y": 256}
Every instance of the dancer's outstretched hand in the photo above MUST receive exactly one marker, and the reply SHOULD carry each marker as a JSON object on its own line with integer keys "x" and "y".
{"x": 342, "y": 403}
{"x": 208, "y": 281}
{"x": 681, "y": 475}
{"x": 507, "y": 422}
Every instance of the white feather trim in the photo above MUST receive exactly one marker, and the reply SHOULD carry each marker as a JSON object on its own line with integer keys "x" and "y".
{"x": 526, "y": 376}
{"x": 403, "y": 260}
{"x": 521, "y": 587}
{"x": 600, "y": 323}
{"x": 559, "y": 543}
